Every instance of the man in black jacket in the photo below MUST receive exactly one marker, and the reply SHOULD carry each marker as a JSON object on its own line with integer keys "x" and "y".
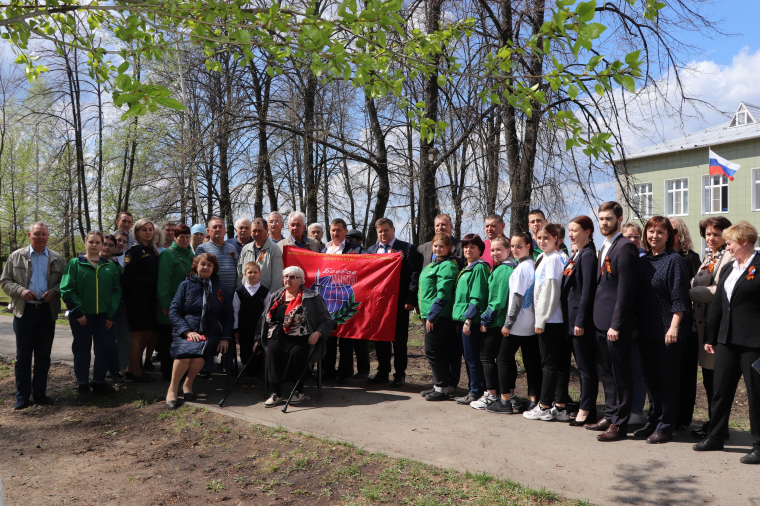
{"x": 442, "y": 223}
{"x": 407, "y": 298}
{"x": 614, "y": 320}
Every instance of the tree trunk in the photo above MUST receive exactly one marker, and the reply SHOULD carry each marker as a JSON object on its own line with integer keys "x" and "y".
{"x": 72, "y": 74}
{"x": 493, "y": 141}
{"x": 310, "y": 183}
{"x": 381, "y": 169}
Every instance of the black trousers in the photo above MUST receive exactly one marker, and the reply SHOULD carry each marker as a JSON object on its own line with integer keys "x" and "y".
{"x": 437, "y": 348}
{"x": 286, "y": 362}
{"x": 347, "y": 348}
{"x": 531, "y": 355}
{"x": 584, "y": 348}
{"x": 708, "y": 380}
{"x": 398, "y": 347}
{"x": 564, "y": 358}
{"x": 34, "y": 331}
{"x": 255, "y": 368}
{"x": 492, "y": 341}
{"x": 331, "y": 355}
{"x": 614, "y": 359}
{"x": 688, "y": 380}
{"x": 163, "y": 344}
{"x": 550, "y": 342}
{"x": 662, "y": 373}
{"x": 731, "y": 362}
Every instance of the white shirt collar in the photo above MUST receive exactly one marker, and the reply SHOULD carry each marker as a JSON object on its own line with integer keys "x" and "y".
{"x": 745, "y": 264}
{"x": 334, "y": 249}
{"x": 252, "y": 289}
{"x": 611, "y": 239}
{"x": 389, "y": 244}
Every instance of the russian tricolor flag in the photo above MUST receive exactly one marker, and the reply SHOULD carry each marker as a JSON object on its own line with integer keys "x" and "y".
{"x": 722, "y": 167}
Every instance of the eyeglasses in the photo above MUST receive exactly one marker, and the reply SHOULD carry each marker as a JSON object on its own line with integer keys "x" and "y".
{"x": 290, "y": 276}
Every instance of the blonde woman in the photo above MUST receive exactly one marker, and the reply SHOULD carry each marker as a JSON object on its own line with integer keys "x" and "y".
{"x": 139, "y": 280}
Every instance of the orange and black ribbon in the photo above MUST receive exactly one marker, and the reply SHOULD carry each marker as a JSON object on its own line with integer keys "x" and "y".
{"x": 751, "y": 273}
{"x": 260, "y": 256}
{"x": 606, "y": 267}
{"x": 570, "y": 268}
{"x": 710, "y": 267}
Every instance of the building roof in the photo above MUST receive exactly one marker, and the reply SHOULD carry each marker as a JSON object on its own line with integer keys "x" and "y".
{"x": 745, "y": 124}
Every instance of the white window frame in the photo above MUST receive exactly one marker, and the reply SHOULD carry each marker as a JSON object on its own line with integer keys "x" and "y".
{"x": 755, "y": 187}
{"x": 707, "y": 179}
{"x": 684, "y": 196}
{"x": 636, "y": 195}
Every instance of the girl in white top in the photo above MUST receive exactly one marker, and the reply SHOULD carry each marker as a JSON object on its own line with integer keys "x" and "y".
{"x": 549, "y": 267}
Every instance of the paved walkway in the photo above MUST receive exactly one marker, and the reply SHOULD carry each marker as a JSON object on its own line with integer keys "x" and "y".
{"x": 564, "y": 459}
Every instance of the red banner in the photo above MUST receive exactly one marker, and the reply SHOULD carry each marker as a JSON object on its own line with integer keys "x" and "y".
{"x": 361, "y": 291}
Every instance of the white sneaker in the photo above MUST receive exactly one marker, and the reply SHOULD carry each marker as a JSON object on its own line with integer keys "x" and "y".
{"x": 637, "y": 419}
{"x": 484, "y": 401}
{"x": 298, "y": 397}
{"x": 274, "y": 401}
{"x": 539, "y": 414}
{"x": 560, "y": 414}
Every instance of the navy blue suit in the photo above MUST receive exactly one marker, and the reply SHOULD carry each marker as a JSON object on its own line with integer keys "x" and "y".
{"x": 614, "y": 308}
{"x": 410, "y": 275}
{"x": 347, "y": 345}
{"x": 577, "y": 301}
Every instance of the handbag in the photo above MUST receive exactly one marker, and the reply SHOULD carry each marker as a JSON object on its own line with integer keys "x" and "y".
{"x": 188, "y": 349}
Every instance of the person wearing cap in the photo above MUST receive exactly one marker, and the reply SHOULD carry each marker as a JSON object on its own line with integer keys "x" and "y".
{"x": 197, "y": 235}
{"x": 356, "y": 237}
{"x": 298, "y": 237}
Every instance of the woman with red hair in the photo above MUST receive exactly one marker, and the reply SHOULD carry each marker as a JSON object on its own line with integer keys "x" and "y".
{"x": 663, "y": 326}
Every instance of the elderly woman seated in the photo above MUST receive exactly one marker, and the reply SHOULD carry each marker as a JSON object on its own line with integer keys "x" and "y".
{"x": 201, "y": 316}
{"x": 295, "y": 321}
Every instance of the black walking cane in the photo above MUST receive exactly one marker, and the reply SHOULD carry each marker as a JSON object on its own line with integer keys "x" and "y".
{"x": 230, "y": 388}
{"x": 308, "y": 361}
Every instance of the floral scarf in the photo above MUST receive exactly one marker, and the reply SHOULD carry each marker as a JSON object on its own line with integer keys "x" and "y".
{"x": 290, "y": 311}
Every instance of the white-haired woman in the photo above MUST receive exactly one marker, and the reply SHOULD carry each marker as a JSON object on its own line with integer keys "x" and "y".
{"x": 139, "y": 281}
{"x": 295, "y": 319}
{"x": 688, "y": 396}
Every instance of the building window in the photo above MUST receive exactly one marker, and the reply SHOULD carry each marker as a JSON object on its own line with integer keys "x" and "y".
{"x": 716, "y": 194}
{"x": 642, "y": 199}
{"x": 677, "y": 197}
{"x": 756, "y": 190}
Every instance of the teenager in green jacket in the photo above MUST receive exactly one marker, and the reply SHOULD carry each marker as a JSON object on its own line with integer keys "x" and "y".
{"x": 91, "y": 289}
{"x": 174, "y": 265}
{"x": 436, "y": 294}
{"x": 491, "y": 322}
{"x": 470, "y": 301}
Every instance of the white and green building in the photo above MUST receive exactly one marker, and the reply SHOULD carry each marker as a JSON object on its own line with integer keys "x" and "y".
{"x": 672, "y": 179}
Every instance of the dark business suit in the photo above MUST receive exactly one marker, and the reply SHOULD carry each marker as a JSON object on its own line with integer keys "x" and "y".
{"x": 407, "y": 294}
{"x": 732, "y": 328}
{"x": 614, "y": 308}
{"x": 577, "y": 302}
{"x": 331, "y": 343}
{"x": 425, "y": 252}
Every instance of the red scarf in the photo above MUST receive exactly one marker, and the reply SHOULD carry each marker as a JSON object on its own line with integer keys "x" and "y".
{"x": 293, "y": 305}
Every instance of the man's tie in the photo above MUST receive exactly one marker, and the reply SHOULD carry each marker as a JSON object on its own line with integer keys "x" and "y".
{"x": 385, "y": 248}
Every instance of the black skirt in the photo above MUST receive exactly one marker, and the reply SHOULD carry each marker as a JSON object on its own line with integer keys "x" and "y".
{"x": 140, "y": 305}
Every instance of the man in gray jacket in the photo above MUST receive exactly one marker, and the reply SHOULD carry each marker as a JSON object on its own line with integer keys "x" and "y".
{"x": 32, "y": 278}
{"x": 264, "y": 252}
{"x": 298, "y": 237}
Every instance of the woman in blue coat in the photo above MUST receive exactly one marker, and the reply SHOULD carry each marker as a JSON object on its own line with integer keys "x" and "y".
{"x": 202, "y": 317}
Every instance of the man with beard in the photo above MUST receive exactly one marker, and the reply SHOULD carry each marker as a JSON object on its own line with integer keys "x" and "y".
{"x": 617, "y": 274}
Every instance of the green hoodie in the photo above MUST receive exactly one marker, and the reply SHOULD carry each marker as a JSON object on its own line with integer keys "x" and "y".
{"x": 498, "y": 295}
{"x": 88, "y": 290}
{"x": 174, "y": 263}
{"x": 436, "y": 288}
{"x": 471, "y": 295}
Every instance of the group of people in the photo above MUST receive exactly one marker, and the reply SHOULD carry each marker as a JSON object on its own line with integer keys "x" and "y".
{"x": 639, "y": 314}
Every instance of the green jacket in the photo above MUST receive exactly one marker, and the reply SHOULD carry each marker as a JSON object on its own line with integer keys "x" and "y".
{"x": 174, "y": 265}
{"x": 498, "y": 295}
{"x": 471, "y": 295}
{"x": 436, "y": 288}
{"x": 87, "y": 290}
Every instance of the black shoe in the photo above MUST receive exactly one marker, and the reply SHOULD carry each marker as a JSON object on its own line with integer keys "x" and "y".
{"x": 425, "y": 393}
{"x": 751, "y": 458}
{"x": 342, "y": 380}
{"x": 128, "y": 376}
{"x": 467, "y": 399}
{"x": 518, "y": 406}
{"x": 172, "y": 405}
{"x": 189, "y": 396}
{"x": 84, "y": 393}
{"x": 102, "y": 389}
{"x": 21, "y": 404}
{"x": 204, "y": 375}
{"x": 144, "y": 378}
{"x": 361, "y": 375}
{"x": 500, "y": 408}
{"x": 44, "y": 400}
{"x": 708, "y": 445}
{"x": 437, "y": 396}
{"x": 156, "y": 357}
{"x": 399, "y": 380}
{"x": 681, "y": 427}
{"x": 148, "y": 366}
{"x": 378, "y": 379}
{"x": 117, "y": 378}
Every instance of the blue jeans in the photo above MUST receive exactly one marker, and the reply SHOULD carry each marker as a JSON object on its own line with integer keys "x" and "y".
{"x": 639, "y": 384}
{"x": 471, "y": 345}
{"x": 455, "y": 357}
{"x": 86, "y": 337}
{"x": 34, "y": 331}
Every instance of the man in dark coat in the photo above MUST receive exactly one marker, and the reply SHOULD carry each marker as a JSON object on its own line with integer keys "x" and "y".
{"x": 407, "y": 298}
{"x": 442, "y": 223}
{"x": 614, "y": 320}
